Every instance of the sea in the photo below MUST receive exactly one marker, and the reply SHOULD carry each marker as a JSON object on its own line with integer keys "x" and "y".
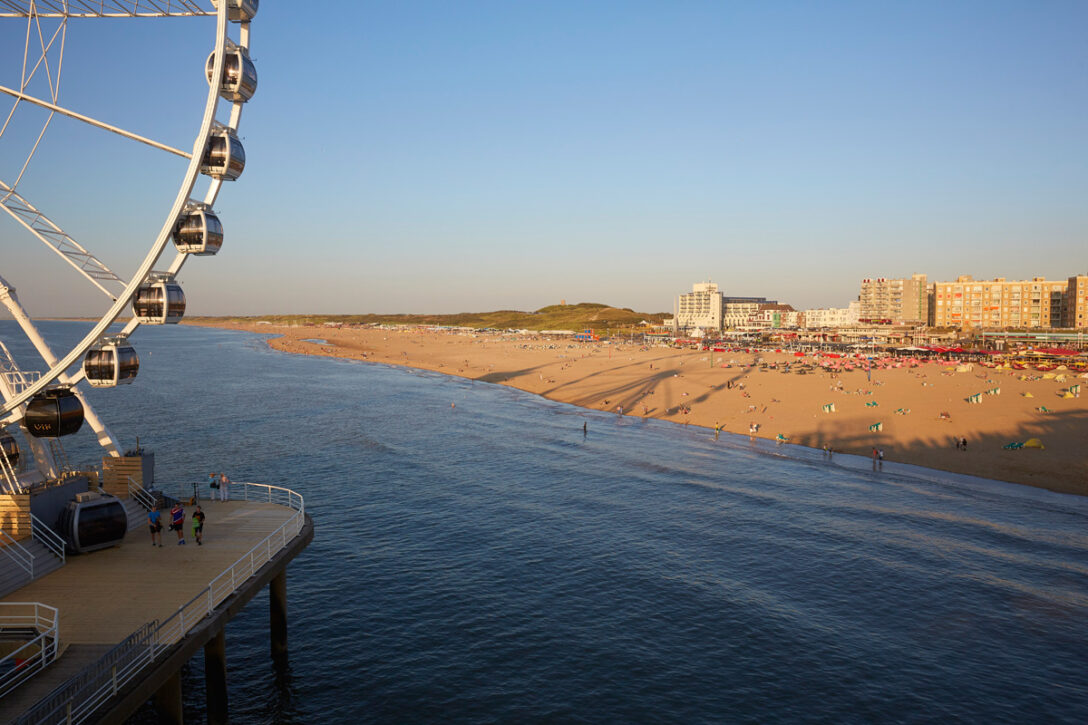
{"x": 479, "y": 558}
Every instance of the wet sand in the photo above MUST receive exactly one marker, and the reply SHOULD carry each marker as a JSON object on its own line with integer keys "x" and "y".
{"x": 729, "y": 390}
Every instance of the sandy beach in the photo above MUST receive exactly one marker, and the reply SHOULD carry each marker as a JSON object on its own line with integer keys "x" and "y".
{"x": 921, "y": 409}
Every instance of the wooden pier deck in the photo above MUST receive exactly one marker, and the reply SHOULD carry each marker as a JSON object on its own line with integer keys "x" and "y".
{"x": 105, "y": 596}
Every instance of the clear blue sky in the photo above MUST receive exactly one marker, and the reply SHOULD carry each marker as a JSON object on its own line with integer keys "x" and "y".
{"x": 440, "y": 157}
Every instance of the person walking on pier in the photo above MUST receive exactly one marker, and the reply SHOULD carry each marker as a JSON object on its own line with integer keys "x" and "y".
{"x": 224, "y": 487}
{"x": 154, "y": 522}
{"x": 177, "y": 522}
{"x": 198, "y": 526}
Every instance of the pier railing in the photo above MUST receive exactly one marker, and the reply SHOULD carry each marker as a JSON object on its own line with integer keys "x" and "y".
{"x": 38, "y": 652}
{"x": 77, "y": 700}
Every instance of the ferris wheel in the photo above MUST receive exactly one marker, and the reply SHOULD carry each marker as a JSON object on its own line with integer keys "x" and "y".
{"x": 48, "y": 403}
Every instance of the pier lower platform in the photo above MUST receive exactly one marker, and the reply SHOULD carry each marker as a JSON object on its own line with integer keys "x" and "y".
{"x": 164, "y": 603}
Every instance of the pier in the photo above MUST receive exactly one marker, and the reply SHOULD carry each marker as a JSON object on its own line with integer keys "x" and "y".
{"x": 129, "y": 617}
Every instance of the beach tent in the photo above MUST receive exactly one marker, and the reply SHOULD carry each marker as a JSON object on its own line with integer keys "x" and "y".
{"x": 1034, "y": 443}
{"x": 1068, "y": 395}
{"x": 1028, "y": 395}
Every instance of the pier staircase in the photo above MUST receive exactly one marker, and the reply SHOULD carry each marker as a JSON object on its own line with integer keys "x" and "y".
{"x": 21, "y": 562}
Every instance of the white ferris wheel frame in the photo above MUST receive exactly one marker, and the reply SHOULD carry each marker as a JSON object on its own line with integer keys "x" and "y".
{"x": 12, "y": 408}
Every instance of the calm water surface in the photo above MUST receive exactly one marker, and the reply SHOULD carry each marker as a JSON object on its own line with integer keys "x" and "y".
{"x": 486, "y": 563}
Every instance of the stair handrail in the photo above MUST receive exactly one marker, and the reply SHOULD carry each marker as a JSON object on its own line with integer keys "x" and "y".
{"x": 49, "y": 539}
{"x": 138, "y": 492}
{"x": 35, "y": 655}
{"x": 17, "y": 553}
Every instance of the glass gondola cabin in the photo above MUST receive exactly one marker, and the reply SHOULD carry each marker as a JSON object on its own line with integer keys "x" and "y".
{"x": 110, "y": 364}
{"x": 224, "y": 157}
{"x": 240, "y": 11}
{"x": 159, "y": 302}
{"x": 9, "y": 448}
{"x": 198, "y": 232}
{"x": 239, "y": 75}
{"x": 95, "y": 522}
{"x": 53, "y": 413}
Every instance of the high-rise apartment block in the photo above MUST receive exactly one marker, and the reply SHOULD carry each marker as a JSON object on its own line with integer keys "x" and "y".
{"x": 1075, "y": 307}
{"x": 895, "y": 301}
{"x": 701, "y": 308}
{"x": 969, "y": 303}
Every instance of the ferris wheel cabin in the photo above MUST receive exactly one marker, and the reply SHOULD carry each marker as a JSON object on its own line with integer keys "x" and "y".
{"x": 240, "y": 11}
{"x": 53, "y": 413}
{"x": 224, "y": 157}
{"x": 239, "y": 75}
{"x": 198, "y": 232}
{"x": 160, "y": 302}
{"x": 110, "y": 364}
{"x": 9, "y": 448}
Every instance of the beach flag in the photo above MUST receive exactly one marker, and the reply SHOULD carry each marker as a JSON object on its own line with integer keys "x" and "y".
{"x": 876, "y": 427}
{"x": 829, "y": 408}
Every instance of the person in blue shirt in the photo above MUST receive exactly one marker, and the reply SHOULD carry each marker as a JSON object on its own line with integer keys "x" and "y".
{"x": 154, "y": 522}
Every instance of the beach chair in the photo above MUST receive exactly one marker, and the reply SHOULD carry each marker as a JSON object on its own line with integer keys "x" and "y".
{"x": 781, "y": 438}
{"x": 876, "y": 427}
{"x": 871, "y": 404}
{"x": 829, "y": 408}
{"x": 1043, "y": 409}
{"x": 1014, "y": 446}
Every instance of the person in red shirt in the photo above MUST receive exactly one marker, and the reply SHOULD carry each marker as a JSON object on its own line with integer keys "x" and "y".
{"x": 177, "y": 522}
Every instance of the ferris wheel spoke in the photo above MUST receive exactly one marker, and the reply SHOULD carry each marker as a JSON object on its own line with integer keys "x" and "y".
{"x": 103, "y": 8}
{"x": 94, "y": 122}
{"x": 56, "y": 239}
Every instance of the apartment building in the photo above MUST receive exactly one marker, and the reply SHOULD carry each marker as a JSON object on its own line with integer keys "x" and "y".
{"x": 968, "y": 303}
{"x": 894, "y": 301}
{"x": 1075, "y": 305}
{"x": 701, "y": 308}
{"x": 833, "y": 316}
{"x": 740, "y": 311}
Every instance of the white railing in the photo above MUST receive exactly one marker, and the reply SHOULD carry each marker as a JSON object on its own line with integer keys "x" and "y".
{"x": 49, "y": 539}
{"x": 85, "y": 693}
{"x": 140, "y": 494}
{"x": 178, "y": 624}
{"x": 36, "y": 654}
{"x": 17, "y": 553}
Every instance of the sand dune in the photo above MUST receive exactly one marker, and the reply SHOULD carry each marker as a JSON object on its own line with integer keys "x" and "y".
{"x": 729, "y": 390}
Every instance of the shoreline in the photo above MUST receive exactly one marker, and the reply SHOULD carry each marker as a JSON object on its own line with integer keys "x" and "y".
{"x": 726, "y": 391}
